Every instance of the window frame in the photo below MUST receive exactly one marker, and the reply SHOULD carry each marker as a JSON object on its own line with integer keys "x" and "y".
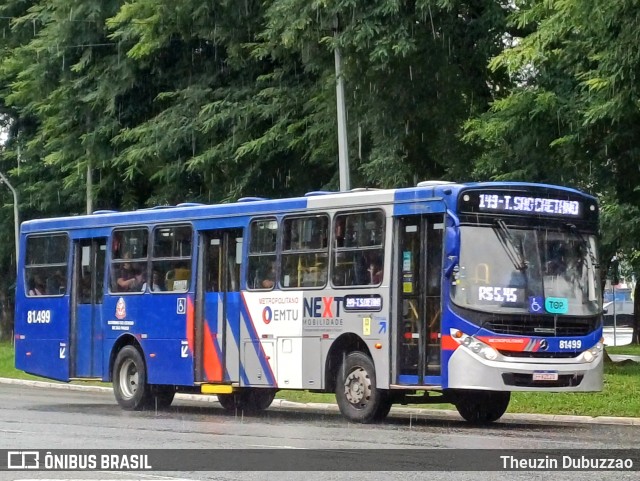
{"x": 152, "y": 258}
{"x": 335, "y": 250}
{"x": 63, "y": 266}
{"x": 112, "y": 276}
{"x": 304, "y": 251}
{"x": 274, "y": 254}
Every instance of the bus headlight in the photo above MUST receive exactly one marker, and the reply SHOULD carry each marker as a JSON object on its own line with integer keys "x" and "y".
{"x": 474, "y": 345}
{"x": 593, "y": 353}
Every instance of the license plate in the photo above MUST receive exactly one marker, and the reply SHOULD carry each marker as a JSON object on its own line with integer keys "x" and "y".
{"x": 545, "y": 376}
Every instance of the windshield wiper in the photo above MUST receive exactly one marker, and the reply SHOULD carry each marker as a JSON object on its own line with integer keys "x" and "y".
{"x": 592, "y": 263}
{"x": 509, "y": 245}
{"x": 574, "y": 230}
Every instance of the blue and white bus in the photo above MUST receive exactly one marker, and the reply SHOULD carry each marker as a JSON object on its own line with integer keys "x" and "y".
{"x": 444, "y": 292}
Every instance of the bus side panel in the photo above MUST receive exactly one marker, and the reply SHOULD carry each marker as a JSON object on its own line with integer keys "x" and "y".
{"x": 42, "y": 336}
{"x": 47, "y": 358}
{"x": 258, "y": 334}
{"x": 169, "y": 361}
{"x": 163, "y": 324}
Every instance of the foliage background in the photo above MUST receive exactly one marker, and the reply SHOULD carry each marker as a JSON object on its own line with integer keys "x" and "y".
{"x": 160, "y": 102}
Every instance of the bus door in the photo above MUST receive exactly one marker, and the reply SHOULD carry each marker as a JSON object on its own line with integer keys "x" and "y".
{"x": 420, "y": 244}
{"x": 86, "y": 298}
{"x": 217, "y": 323}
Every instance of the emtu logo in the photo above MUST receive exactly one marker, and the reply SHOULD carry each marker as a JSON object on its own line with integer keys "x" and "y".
{"x": 23, "y": 460}
{"x": 267, "y": 315}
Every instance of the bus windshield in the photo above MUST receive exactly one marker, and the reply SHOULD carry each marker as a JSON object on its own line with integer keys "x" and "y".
{"x": 527, "y": 270}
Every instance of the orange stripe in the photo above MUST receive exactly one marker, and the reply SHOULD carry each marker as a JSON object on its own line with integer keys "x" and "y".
{"x": 212, "y": 364}
{"x": 190, "y": 324}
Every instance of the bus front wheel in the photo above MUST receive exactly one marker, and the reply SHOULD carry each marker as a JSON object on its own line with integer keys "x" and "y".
{"x": 482, "y": 407}
{"x": 356, "y": 394}
{"x": 130, "y": 380}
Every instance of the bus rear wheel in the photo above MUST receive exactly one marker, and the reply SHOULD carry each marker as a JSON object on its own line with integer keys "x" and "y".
{"x": 482, "y": 407}
{"x": 130, "y": 380}
{"x": 248, "y": 399}
{"x": 356, "y": 394}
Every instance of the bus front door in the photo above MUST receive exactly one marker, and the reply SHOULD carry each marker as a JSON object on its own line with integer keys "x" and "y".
{"x": 85, "y": 336}
{"x": 217, "y": 323}
{"x": 420, "y": 243}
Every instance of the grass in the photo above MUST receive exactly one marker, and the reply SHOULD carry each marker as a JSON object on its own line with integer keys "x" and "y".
{"x": 630, "y": 349}
{"x": 620, "y": 396}
{"x": 7, "y": 368}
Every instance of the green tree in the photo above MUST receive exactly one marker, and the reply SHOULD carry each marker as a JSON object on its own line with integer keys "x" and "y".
{"x": 572, "y": 114}
{"x": 161, "y": 102}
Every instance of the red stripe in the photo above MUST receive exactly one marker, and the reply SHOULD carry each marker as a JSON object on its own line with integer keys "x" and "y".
{"x": 515, "y": 344}
{"x": 448, "y": 343}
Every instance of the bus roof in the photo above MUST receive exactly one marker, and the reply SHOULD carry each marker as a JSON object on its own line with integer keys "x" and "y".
{"x": 256, "y": 205}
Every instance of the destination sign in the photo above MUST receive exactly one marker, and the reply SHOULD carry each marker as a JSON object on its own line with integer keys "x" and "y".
{"x": 363, "y": 303}
{"x": 505, "y": 202}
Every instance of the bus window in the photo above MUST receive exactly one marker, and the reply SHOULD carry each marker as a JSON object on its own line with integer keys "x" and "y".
{"x": 171, "y": 259}
{"x": 358, "y": 249}
{"x": 262, "y": 254}
{"x": 46, "y": 266}
{"x": 305, "y": 252}
{"x": 129, "y": 260}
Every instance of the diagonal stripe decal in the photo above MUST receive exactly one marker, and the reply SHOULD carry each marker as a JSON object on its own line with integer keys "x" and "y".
{"x": 262, "y": 357}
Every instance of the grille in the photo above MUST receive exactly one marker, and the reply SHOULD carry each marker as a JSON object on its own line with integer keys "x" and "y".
{"x": 564, "y": 327}
{"x": 540, "y": 355}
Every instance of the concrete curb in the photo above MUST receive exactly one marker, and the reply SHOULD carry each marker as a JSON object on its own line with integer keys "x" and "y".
{"x": 400, "y": 411}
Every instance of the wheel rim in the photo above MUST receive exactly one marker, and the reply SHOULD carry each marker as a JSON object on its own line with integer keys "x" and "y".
{"x": 129, "y": 379}
{"x": 357, "y": 387}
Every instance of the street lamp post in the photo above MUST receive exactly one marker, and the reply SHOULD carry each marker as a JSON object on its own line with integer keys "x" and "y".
{"x": 343, "y": 148}
{"x": 16, "y": 216}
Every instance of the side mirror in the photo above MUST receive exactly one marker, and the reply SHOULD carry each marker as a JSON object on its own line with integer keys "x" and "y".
{"x": 449, "y": 265}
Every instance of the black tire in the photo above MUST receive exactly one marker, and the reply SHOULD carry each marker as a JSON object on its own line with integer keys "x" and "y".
{"x": 161, "y": 396}
{"x": 260, "y": 399}
{"x": 482, "y": 407}
{"x": 385, "y": 406}
{"x": 228, "y": 401}
{"x": 356, "y": 394}
{"x": 250, "y": 400}
{"x": 130, "y": 380}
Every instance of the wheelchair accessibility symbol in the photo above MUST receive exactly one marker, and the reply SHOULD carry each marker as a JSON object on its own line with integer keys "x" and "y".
{"x": 181, "y": 308}
{"x": 536, "y": 304}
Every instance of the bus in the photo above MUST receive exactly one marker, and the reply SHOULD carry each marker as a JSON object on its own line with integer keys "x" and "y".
{"x": 442, "y": 292}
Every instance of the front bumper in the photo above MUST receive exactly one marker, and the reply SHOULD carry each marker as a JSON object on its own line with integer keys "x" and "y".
{"x": 467, "y": 370}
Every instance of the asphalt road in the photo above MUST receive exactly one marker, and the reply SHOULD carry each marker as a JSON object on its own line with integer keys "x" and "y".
{"x": 42, "y": 418}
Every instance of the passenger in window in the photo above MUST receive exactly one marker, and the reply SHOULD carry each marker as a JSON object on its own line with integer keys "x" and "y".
{"x": 269, "y": 276}
{"x": 37, "y": 286}
{"x": 375, "y": 273}
{"x": 155, "y": 283}
{"x": 351, "y": 236}
{"x": 340, "y": 232}
{"x": 126, "y": 280}
{"x": 57, "y": 283}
